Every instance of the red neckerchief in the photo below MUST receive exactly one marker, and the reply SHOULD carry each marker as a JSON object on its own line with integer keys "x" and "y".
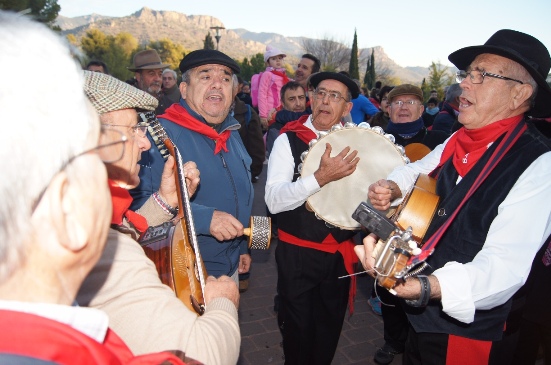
{"x": 179, "y": 115}
{"x": 282, "y": 75}
{"x": 466, "y": 146}
{"x": 303, "y": 132}
{"x": 121, "y": 200}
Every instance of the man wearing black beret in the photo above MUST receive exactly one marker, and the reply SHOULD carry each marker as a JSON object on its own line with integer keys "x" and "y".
{"x": 201, "y": 126}
{"x": 310, "y": 255}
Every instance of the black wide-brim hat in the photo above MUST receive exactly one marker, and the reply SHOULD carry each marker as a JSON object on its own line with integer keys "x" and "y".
{"x": 316, "y": 78}
{"x": 519, "y": 47}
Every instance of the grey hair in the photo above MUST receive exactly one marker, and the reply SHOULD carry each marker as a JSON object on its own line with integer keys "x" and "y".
{"x": 519, "y": 72}
{"x": 453, "y": 92}
{"x": 167, "y": 70}
{"x": 51, "y": 123}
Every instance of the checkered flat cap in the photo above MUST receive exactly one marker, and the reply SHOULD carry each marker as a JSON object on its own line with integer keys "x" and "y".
{"x": 108, "y": 94}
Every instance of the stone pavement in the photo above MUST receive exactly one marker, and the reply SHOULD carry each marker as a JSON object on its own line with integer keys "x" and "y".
{"x": 362, "y": 333}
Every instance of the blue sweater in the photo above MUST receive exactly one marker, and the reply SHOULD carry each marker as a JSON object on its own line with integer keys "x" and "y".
{"x": 362, "y": 107}
{"x": 225, "y": 186}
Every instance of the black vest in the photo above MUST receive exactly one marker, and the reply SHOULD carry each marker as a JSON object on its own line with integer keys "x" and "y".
{"x": 300, "y": 222}
{"x": 466, "y": 235}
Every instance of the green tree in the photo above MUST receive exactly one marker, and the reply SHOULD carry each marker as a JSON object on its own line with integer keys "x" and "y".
{"x": 439, "y": 77}
{"x": 370, "y": 74}
{"x": 44, "y": 11}
{"x": 208, "y": 43}
{"x": 353, "y": 68}
{"x": 170, "y": 52}
{"x": 250, "y": 67}
{"x": 115, "y": 51}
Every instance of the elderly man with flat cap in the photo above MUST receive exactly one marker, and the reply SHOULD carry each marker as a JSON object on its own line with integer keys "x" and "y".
{"x": 494, "y": 181}
{"x": 203, "y": 129}
{"x": 310, "y": 255}
{"x": 125, "y": 283}
{"x": 148, "y": 72}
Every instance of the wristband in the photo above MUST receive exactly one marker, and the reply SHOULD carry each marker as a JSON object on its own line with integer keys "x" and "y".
{"x": 164, "y": 205}
{"x": 425, "y": 293}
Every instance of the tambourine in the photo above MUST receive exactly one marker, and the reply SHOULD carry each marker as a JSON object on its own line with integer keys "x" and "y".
{"x": 378, "y": 154}
{"x": 259, "y": 232}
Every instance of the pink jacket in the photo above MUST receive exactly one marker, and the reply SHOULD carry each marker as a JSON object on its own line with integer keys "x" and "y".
{"x": 268, "y": 91}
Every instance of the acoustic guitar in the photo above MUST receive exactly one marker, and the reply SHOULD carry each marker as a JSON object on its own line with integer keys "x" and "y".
{"x": 401, "y": 235}
{"x": 173, "y": 246}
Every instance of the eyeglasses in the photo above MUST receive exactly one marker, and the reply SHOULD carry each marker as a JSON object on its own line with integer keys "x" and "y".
{"x": 334, "y": 96}
{"x": 110, "y": 149}
{"x": 477, "y": 76}
{"x": 139, "y": 129}
{"x": 408, "y": 103}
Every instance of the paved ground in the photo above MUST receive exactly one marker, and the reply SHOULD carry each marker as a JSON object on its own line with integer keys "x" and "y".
{"x": 261, "y": 339}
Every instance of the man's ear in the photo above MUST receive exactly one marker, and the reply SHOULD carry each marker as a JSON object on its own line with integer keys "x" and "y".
{"x": 183, "y": 89}
{"x": 520, "y": 94}
{"x": 71, "y": 234}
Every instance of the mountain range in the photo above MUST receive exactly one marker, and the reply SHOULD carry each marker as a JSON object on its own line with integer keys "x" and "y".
{"x": 190, "y": 31}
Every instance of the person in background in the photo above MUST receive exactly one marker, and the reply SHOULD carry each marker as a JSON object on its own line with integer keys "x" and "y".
{"x": 271, "y": 82}
{"x": 430, "y": 112}
{"x": 381, "y": 118}
{"x": 244, "y": 91}
{"x": 148, "y": 73}
{"x": 170, "y": 86}
{"x": 97, "y": 66}
{"x": 446, "y": 119}
{"x": 362, "y": 109}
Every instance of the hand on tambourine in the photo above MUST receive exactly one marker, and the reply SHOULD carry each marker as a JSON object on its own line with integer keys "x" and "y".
{"x": 365, "y": 253}
{"x": 335, "y": 168}
{"x": 225, "y": 226}
{"x": 382, "y": 193}
{"x": 223, "y": 287}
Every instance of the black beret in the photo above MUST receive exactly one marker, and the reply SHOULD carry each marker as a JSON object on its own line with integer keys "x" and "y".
{"x": 205, "y": 57}
{"x": 316, "y": 78}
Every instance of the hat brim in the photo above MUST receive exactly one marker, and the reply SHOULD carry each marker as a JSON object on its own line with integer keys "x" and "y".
{"x": 463, "y": 58}
{"x": 149, "y": 67}
{"x": 316, "y": 78}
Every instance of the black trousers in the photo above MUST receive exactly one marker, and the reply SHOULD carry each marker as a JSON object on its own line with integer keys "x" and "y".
{"x": 395, "y": 320}
{"x": 313, "y": 303}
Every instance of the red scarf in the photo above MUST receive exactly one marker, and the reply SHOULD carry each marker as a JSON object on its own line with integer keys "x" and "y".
{"x": 179, "y": 115}
{"x": 466, "y": 146}
{"x": 303, "y": 132}
{"x": 121, "y": 200}
{"x": 282, "y": 75}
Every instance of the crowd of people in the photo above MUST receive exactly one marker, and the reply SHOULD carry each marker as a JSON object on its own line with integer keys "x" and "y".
{"x": 90, "y": 178}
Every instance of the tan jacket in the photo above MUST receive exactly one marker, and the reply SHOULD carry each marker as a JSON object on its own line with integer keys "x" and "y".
{"x": 146, "y": 314}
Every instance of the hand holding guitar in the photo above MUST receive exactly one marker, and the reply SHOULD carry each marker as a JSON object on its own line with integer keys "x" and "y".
{"x": 335, "y": 168}
{"x": 382, "y": 193}
{"x": 365, "y": 253}
{"x": 224, "y": 226}
{"x": 167, "y": 190}
{"x": 223, "y": 287}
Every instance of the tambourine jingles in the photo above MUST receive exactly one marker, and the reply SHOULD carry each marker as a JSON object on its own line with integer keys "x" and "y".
{"x": 378, "y": 154}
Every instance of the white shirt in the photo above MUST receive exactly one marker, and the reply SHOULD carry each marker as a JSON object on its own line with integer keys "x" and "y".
{"x": 90, "y": 321}
{"x": 516, "y": 234}
{"x": 282, "y": 194}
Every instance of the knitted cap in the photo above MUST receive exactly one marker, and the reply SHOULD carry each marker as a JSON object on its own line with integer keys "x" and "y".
{"x": 272, "y": 52}
{"x": 108, "y": 94}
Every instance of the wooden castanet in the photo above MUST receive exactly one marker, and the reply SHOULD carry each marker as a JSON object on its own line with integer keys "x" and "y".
{"x": 259, "y": 232}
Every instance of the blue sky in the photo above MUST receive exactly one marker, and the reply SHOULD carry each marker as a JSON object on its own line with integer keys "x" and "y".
{"x": 412, "y": 33}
